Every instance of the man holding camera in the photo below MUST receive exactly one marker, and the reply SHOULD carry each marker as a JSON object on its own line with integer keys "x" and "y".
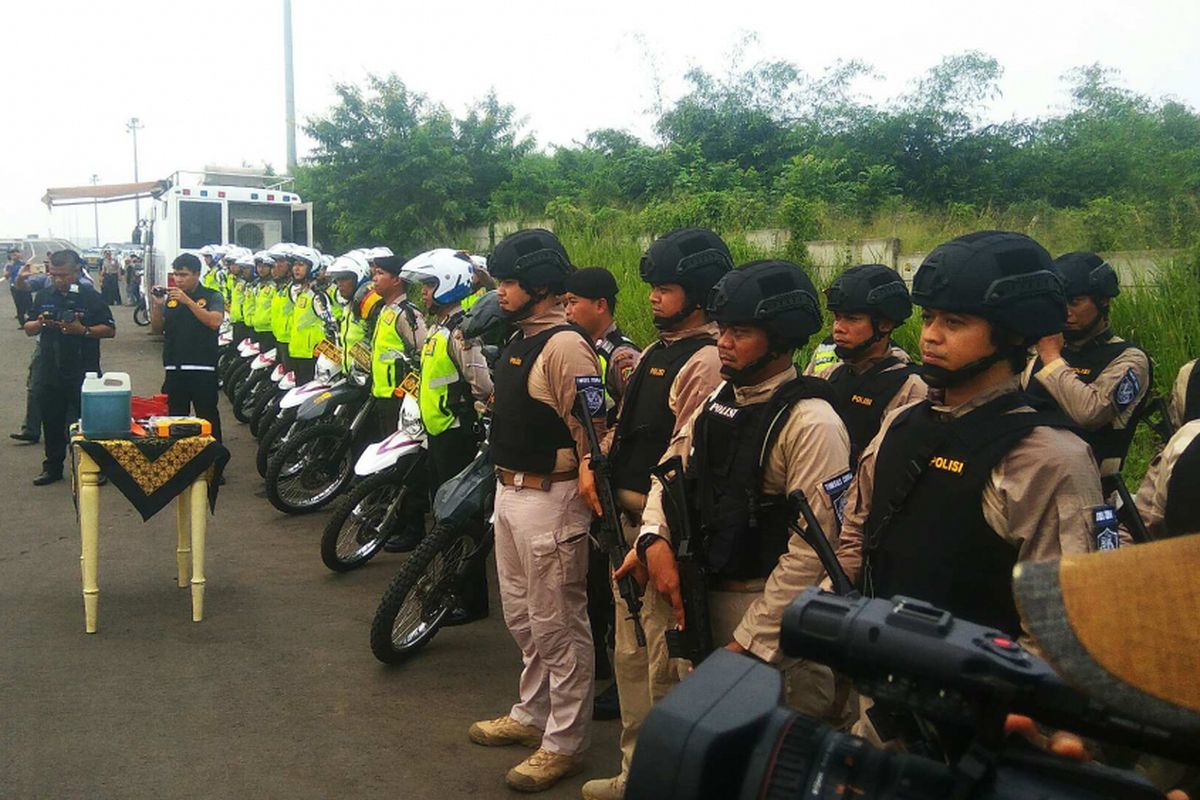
{"x": 189, "y": 316}
{"x": 70, "y": 319}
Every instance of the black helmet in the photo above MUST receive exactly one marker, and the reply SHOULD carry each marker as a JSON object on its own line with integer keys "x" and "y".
{"x": 485, "y": 320}
{"x": 1086, "y": 274}
{"x": 694, "y": 258}
{"x": 1006, "y": 278}
{"x": 774, "y": 295}
{"x": 870, "y": 289}
{"x": 535, "y": 257}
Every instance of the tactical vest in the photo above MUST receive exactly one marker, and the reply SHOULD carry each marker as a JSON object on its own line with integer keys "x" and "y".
{"x": 926, "y": 536}
{"x": 1182, "y": 514}
{"x": 744, "y": 532}
{"x": 1087, "y": 363}
{"x": 1191, "y": 396}
{"x": 263, "y": 303}
{"x": 386, "y": 347}
{"x": 444, "y": 397}
{"x": 306, "y": 330}
{"x": 646, "y": 420}
{"x": 526, "y": 434}
{"x": 282, "y": 306}
{"x": 862, "y": 398}
{"x": 605, "y": 348}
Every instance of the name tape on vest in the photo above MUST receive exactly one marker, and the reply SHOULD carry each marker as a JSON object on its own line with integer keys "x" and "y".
{"x": 862, "y": 401}
{"x": 722, "y": 410}
{"x": 657, "y": 372}
{"x": 947, "y": 464}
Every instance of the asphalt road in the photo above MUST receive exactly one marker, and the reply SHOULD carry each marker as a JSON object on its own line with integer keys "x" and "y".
{"x": 274, "y": 695}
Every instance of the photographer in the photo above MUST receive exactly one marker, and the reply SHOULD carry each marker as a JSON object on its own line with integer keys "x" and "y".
{"x": 21, "y": 297}
{"x": 70, "y": 319}
{"x": 189, "y": 315}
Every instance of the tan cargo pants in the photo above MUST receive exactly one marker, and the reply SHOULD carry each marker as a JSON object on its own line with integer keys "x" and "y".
{"x": 541, "y": 562}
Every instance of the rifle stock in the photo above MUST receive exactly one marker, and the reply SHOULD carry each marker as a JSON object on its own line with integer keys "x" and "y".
{"x": 814, "y": 535}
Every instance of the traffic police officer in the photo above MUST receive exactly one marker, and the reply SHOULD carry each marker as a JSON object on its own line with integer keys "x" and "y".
{"x": 351, "y": 274}
{"x": 71, "y": 319}
{"x": 542, "y": 510}
{"x": 872, "y": 377}
{"x": 397, "y": 337}
{"x": 454, "y": 377}
{"x": 189, "y": 316}
{"x": 673, "y": 377}
{"x": 283, "y": 300}
{"x": 1097, "y": 378}
{"x": 306, "y": 328}
{"x": 765, "y": 433}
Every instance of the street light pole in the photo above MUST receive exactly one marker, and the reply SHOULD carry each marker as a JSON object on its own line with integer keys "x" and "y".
{"x": 289, "y": 88}
{"x": 133, "y": 126}
{"x": 96, "y": 209}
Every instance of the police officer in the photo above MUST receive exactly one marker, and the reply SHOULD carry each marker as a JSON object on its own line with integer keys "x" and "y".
{"x": 71, "y": 320}
{"x": 999, "y": 478}
{"x": 259, "y": 299}
{"x": 673, "y": 377}
{"x": 1166, "y": 499}
{"x": 1185, "y": 395}
{"x": 396, "y": 338}
{"x": 454, "y": 377}
{"x": 189, "y": 316}
{"x": 1097, "y": 378}
{"x": 766, "y": 432}
{"x": 283, "y": 299}
{"x": 351, "y": 274}
{"x": 542, "y": 511}
{"x": 306, "y": 328}
{"x": 591, "y": 303}
{"x": 872, "y": 377}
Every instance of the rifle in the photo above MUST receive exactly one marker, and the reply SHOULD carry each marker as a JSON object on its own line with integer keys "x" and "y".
{"x": 610, "y": 536}
{"x": 1128, "y": 511}
{"x": 695, "y": 641}
{"x": 1157, "y": 407}
{"x": 814, "y": 536}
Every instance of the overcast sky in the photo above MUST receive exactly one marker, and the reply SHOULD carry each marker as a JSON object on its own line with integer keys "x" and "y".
{"x": 206, "y": 79}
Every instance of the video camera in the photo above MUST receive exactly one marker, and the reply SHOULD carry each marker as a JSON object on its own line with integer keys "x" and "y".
{"x": 943, "y": 685}
{"x": 64, "y": 315}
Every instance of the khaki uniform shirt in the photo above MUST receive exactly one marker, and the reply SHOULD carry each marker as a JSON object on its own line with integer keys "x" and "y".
{"x": 694, "y": 382}
{"x": 812, "y": 449}
{"x": 565, "y": 357}
{"x": 1178, "y": 402}
{"x": 1093, "y": 405}
{"x": 910, "y": 391}
{"x": 1039, "y": 498}
{"x": 1151, "y": 500}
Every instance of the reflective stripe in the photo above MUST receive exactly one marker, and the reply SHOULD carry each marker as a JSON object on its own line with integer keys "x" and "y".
{"x": 437, "y": 383}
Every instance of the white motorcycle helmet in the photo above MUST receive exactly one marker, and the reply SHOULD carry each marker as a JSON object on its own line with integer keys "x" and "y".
{"x": 281, "y": 251}
{"x": 378, "y": 252}
{"x": 350, "y": 265}
{"x": 447, "y": 271}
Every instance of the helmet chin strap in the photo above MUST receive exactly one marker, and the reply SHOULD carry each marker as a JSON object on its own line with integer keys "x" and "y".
{"x": 1092, "y": 329}
{"x": 740, "y": 376}
{"x": 942, "y": 378}
{"x": 525, "y": 308}
{"x": 669, "y": 323}
{"x": 852, "y": 353}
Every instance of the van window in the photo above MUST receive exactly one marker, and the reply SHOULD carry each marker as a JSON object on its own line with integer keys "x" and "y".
{"x": 199, "y": 224}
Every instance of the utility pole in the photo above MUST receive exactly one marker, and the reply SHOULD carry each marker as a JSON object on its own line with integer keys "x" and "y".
{"x": 96, "y": 209}
{"x": 289, "y": 87}
{"x": 133, "y": 126}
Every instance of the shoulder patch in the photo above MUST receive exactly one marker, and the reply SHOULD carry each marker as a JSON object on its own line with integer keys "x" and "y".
{"x": 1127, "y": 389}
{"x": 838, "y": 491}
{"x": 1104, "y": 528}
{"x": 592, "y": 389}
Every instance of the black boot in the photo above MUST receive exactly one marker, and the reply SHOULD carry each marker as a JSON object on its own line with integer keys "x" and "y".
{"x": 607, "y": 704}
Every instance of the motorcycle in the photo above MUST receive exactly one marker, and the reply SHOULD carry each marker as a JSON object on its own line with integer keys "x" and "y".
{"x": 387, "y": 474}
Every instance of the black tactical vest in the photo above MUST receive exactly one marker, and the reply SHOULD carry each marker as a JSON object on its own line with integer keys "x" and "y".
{"x": 926, "y": 536}
{"x": 646, "y": 422}
{"x": 526, "y": 434}
{"x": 1191, "y": 396}
{"x": 1182, "y": 514}
{"x": 605, "y": 347}
{"x": 1088, "y": 362}
{"x": 861, "y": 398}
{"x": 743, "y": 531}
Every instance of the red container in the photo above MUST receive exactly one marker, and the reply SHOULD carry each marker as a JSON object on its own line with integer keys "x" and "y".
{"x": 144, "y": 407}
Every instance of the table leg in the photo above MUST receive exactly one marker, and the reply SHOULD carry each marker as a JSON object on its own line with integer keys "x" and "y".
{"x": 89, "y": 534}
{"x": 183, "y": 529}
{"x": 199, "y": 504}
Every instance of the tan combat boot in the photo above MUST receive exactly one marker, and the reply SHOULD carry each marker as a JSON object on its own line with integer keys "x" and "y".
{"x": 605, "y": 789}
{"x": 542, "y": 770}
{"x": 504, "y": 731}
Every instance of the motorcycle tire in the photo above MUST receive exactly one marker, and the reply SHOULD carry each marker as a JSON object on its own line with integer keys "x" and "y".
{"x": 364, "y": 519}
{"x": 422, "y": 593}
{"x": 245, "y": 396}
{"x": 310, "y": 471}
{"x": 266, "y": 408}
{"x": 277, "y": 434}
{"x": 141, "y": 317}
{"x": 239, "y": 375}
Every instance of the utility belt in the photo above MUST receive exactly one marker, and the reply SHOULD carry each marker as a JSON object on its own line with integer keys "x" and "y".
{"x": 529, "y": 480}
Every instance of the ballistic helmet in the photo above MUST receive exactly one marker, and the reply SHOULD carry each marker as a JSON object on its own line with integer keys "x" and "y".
{"x": 1006, "y": 278}
{"x": 1086, "y": 274}
{"x": 870, "y": 289}
{"x": 694, "y": 258}
{"x": 533, "y": 257}
{"x": 448, "y": 271}
{"x": 774, "y": 295}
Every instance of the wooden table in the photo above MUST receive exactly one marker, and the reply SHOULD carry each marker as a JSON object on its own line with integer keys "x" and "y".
{"x": 191, "y": 519}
